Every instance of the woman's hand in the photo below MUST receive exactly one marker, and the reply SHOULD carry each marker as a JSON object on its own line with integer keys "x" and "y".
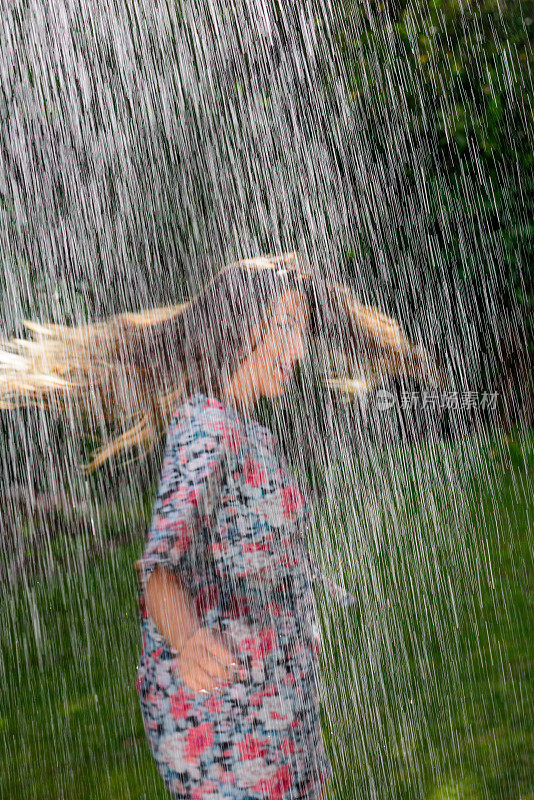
{"x": 205, "y": 664}
{"x": 203, "y": 660}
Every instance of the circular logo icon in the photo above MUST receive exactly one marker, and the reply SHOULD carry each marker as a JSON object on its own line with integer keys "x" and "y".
{"x": 384, "y": 400}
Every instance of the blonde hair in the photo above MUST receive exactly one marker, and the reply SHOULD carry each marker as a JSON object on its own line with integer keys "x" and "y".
{"x": 133, "y": 369}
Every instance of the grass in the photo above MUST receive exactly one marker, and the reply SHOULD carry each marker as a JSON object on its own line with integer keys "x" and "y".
{"x": 427, "y": 683}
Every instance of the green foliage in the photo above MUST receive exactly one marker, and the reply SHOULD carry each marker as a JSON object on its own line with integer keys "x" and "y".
{"x": 460, "y": 75}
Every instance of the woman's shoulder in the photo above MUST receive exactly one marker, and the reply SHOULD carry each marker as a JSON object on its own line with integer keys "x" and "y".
{"x": 210, "y": 410}
{"x": 203, "y": 415}
{"x": 200, "y": 406}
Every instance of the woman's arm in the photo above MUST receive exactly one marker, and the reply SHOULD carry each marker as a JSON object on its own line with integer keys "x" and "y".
{"x": 179, "y": 540}
{"x": 203, "y": 661}
{"x": 171, "y": 607}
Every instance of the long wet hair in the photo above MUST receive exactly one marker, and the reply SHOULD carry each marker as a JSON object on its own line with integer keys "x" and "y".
{"x": 132, "y": 370}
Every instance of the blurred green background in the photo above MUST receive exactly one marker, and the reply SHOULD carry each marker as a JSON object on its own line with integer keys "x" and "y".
{"x": 427, "y": 687}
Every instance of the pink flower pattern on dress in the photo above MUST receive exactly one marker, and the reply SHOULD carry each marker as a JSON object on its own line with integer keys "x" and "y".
{"x": 230, "y": 520}
{"x": 198, "y": 739}
{"x": 252, "y": 747}
{"x": 179, "y": 705}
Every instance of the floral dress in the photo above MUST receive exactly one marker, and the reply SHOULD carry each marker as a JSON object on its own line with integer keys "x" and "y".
{"x": 229, "y": 520}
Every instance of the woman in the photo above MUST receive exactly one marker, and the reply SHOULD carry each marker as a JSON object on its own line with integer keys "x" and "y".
{"x": 227, "y": 674}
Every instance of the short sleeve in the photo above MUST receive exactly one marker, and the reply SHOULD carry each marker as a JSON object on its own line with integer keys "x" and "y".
{"x": 190, "y": 486}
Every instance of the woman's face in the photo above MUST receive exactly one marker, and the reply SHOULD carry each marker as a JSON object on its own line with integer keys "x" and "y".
{"x": 268, "y": 369}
